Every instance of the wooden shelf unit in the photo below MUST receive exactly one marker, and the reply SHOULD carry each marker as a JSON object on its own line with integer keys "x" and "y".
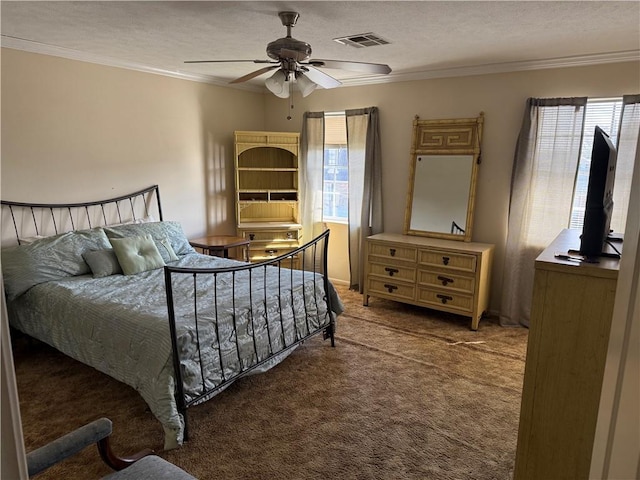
{"x": 268, "y": 192}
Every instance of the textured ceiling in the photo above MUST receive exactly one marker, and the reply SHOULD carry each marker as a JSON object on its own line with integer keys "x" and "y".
{"x": 427, "y": 38}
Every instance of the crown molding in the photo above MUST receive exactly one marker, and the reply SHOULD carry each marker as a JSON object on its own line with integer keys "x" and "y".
{"x": 44, "y": 49}
{"x": 561, "y": 62}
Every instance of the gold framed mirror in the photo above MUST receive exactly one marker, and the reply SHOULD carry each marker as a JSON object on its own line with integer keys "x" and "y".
{"x": 445, "y": 155}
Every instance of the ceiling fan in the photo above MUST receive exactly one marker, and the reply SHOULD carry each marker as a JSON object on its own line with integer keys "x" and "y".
{"x": 290, "y": 58}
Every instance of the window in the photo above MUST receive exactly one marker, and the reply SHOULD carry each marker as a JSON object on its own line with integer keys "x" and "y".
{"x": 336, "y": 169}
{"x": 606, "y": 114}
{"x": 545, "y": 186}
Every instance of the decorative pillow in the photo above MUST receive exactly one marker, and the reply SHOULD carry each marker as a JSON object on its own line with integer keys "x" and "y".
{"x": 102, "y": 262}
{"x": 166, "y": 250}
{"x": 146, "y": 219}
{"x": 158, "y": 231}
{"x": 137, "y": 254}
{"x": 28, "y": 240}
{"x": 50, "y": 258}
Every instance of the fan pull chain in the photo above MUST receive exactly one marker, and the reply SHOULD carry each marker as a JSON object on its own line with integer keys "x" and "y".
{"x": 289, "y": 117}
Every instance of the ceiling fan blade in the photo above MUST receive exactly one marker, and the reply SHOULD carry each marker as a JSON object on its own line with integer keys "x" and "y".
{"x": 251, "y": 75}
{"x": 364, "y": 67}
{"x": 229, "y": 61}
{"x": 321, "y": 78}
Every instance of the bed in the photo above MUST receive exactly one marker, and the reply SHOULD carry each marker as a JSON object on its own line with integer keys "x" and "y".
{"x": 113, "y": 285}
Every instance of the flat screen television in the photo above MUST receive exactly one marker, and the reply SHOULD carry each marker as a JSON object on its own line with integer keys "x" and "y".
{"x": 599, "y": 202}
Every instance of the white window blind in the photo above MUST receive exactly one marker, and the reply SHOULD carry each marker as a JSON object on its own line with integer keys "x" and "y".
{"x": 335, "y": 129}
{"x": 336, "y": 169}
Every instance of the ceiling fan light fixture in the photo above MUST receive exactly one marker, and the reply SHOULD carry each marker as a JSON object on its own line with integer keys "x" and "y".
{"x": 291, "y": 59}
{"x": 305, "y": 85}
{"x": 278, "y": 85}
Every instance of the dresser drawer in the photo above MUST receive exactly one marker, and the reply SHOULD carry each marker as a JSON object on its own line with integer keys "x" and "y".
{"x": 293, "y": 262}
{"x": 447, "y": 281}
{"x": 392, "y": 271}
{"x": 391, "y": 288}
{"x": 398, "y": 252}
{"x": 445, "y": 259}
{"x": 259, "y": 255}
{"x": 448, "y": 299}
{"x": 272, "y": 236}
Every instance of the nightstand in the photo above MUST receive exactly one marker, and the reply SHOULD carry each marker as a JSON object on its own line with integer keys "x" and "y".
{"x": 220, "y": 244}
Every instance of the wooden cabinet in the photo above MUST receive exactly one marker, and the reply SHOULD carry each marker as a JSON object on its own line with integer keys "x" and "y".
{"x": 571, "y": 316}
{"x": 268, "y": 192}
{"x": 440, "y": 274}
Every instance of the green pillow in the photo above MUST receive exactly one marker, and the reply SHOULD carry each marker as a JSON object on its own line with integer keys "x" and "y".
{"x": 102, "y": 262}
{"x": 158, "y": 230}
{"x": 137, "y": 254}
{"x": 47, "y": 259}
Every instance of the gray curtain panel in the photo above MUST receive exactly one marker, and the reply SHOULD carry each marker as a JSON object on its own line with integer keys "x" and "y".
{"x": 627, "y": 141}
{"x": 365, "y": 186}
{"x": 544, "y": 168}
{"x": 311, "y": 174}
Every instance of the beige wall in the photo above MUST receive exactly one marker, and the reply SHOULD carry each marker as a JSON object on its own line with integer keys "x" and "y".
{"x": 501, "y": 97}
{"x": 73, "y": 130}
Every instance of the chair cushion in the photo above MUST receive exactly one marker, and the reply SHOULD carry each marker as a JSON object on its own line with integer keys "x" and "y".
{"x": 151, "y": 467}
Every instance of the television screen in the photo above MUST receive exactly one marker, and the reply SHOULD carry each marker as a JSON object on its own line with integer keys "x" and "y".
{"x": 599, "y": 202}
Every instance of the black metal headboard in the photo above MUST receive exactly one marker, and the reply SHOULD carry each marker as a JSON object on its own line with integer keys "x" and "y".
{"x": 22, "y": 220}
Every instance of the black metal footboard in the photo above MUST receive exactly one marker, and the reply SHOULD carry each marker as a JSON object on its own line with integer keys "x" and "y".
{"x": 242, "y": 318}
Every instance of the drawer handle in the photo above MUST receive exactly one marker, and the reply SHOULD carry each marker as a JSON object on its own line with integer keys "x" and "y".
{"x": 444, "y": 298}
{"x": 271, "y": 252}
{"x": 252, "y": 236}
{"x": 391, "y": 271}
{"x": 445, "y": 260}
{"x": 390, "y": 288}
{"x": 392, "y": 252}
{"x": 445, "y": 280}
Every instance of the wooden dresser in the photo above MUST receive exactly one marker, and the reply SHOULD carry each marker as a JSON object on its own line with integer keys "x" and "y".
{"x": 445, "y": 275}
{"x": 566, "y": 354}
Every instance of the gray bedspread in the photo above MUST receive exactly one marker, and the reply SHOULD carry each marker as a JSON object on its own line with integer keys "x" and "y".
{"x": 119, "y": 325}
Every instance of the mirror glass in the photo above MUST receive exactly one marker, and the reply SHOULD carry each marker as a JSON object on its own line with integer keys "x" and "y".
{"x": 444, "y": 162}
{"x": 441, "y": 201}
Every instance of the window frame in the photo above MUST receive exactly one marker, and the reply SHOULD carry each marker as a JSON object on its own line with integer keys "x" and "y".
{"x": 332, "y": 145}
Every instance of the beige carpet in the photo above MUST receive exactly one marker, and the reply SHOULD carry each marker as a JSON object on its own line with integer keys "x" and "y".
{"x": 407, "y": 393}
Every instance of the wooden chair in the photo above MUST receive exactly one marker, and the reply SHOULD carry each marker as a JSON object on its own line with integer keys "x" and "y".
{"x": 142, "y": 465}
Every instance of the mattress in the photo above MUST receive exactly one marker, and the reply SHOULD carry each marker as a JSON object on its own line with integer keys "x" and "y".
{"x": 119, "y": 325}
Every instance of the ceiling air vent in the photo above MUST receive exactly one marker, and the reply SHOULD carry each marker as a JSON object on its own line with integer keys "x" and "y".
{"x": 361, "y": 40}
